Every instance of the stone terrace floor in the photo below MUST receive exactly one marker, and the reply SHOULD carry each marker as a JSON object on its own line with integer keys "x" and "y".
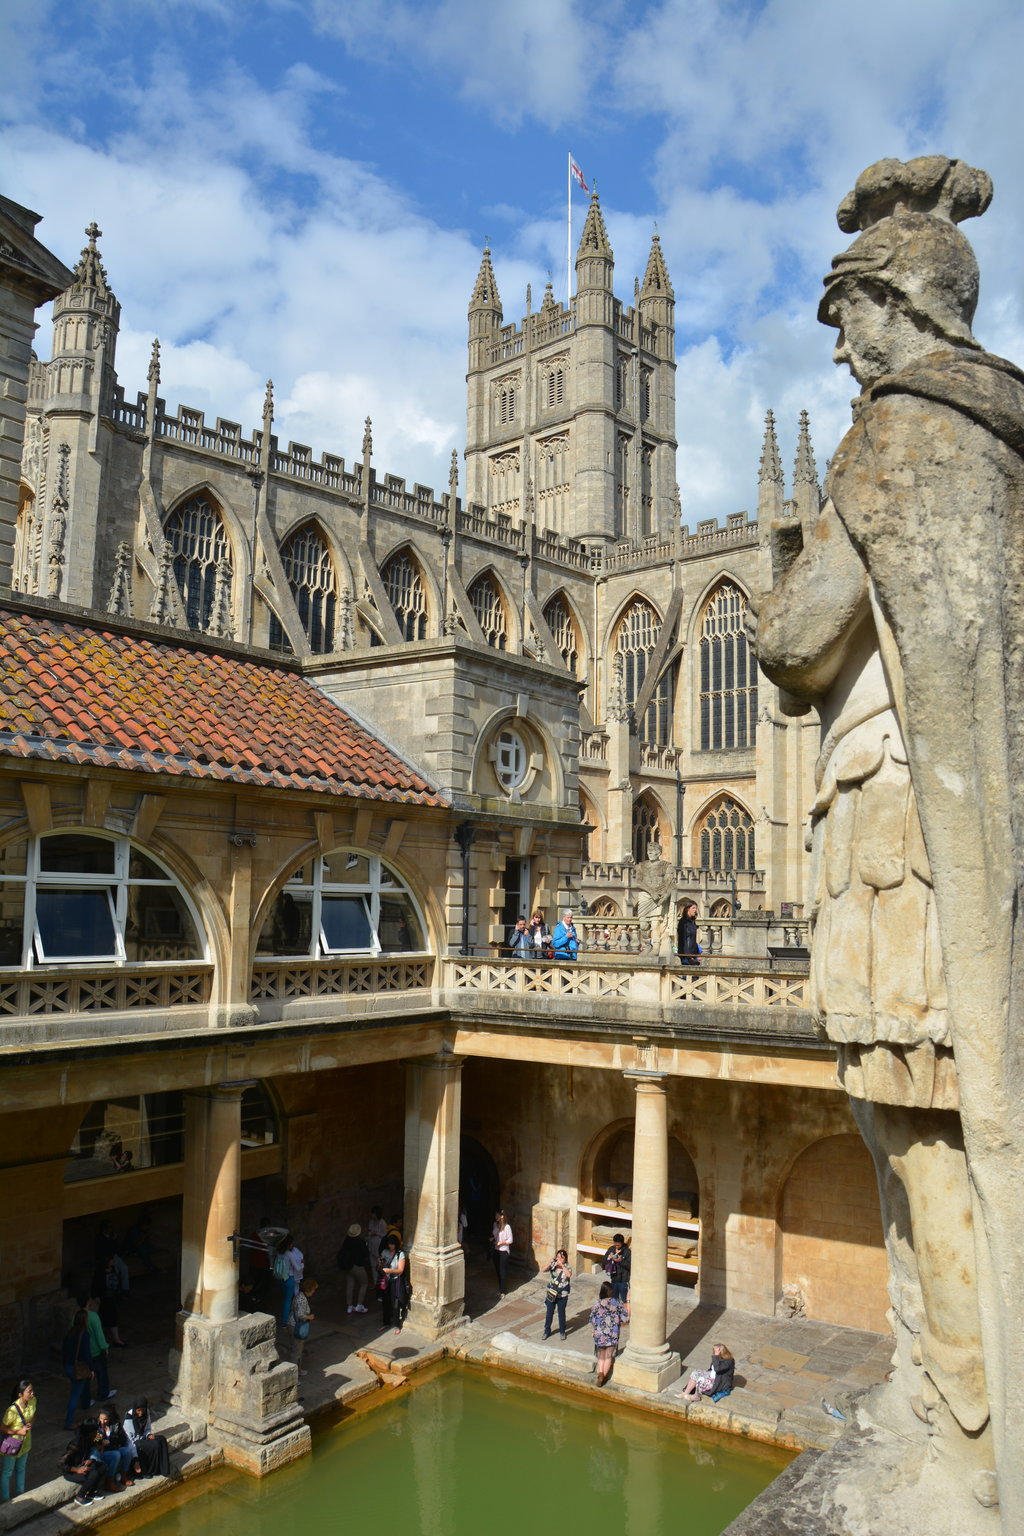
{"x": 783, "y": 1368}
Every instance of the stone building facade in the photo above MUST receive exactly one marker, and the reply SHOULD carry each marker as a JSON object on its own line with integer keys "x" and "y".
{"x": 284, "y": 744}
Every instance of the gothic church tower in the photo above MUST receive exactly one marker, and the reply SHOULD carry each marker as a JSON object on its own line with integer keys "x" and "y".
{"x": 571, "y": 413}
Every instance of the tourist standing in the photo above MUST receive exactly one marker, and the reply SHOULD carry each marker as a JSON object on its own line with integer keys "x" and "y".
{"x": 463, "y": 1226}
{"x": 519, "y": 944}
{"x": 556, "y": 1292}
{"x": 564, "y": 940}
{"x": 540, "y": 934}
{"x": 618, "y": 1266}
{"x": 77, "y": 1358}
{"x": 289, "y": 1267}
{"x": 354, "y": 1263}
{"x": 108, "y": 1285}
{"x": 376, "y": 1230}
{"x": 395, "y": 1287}
{"x": 98, "y": 1347}
{"x": 501, "y": 1243}
{"x": 17, "y": 1440}
{"x": 302, "y": 1317}
{"x": 606, "y": 1318}
{"x": 686, "y": 935}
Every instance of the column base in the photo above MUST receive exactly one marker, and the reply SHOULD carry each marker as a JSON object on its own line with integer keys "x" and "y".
{"x": 229, "y": 1378}
{"x": 647, "y": 1370}
{"x": 439, "y": 1290}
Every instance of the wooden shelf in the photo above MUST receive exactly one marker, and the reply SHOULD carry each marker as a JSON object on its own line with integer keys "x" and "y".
{"x": 682, "y": 1265}
{"x": 689, "y": 1224}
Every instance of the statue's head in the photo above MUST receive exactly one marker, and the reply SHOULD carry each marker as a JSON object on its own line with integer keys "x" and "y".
{"x": 909, "y": 283}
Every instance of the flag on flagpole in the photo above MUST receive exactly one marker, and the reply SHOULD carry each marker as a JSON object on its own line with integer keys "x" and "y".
{"x": 577, "y": 173}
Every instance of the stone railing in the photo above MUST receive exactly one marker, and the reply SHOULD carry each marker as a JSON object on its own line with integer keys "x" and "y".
{"x": 594, "y": 746}
{"x": 190, "y": 427}
{"x": 110, "y": 989}
{"x": 661, "y": 759}
{"x": 502, "y": 530}
{"x": 651, "y": 985}
{"x": 613, "y": 935}
{"x": 287, "y": 980}
{"x": 563, "y": 551}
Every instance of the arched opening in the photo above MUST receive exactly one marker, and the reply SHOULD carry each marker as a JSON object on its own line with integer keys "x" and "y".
{"x": 724, "y": 837}
{"x": 648, "y": 828}
{"x": 309, "y": 570}
{"x": 198, "y": 541}
{"x": 344, "y": 903}
{"x": 479, "y": 1187}
{"x": 831, "y": 1260}
{"x": 728, "y": 673}
{"x": 635, "y": 638}
{"x": 489, "y": 607}
{"x": 606, "y": 1200}
{"x": 559, "y": 619}
{"x": 407, "y": 594}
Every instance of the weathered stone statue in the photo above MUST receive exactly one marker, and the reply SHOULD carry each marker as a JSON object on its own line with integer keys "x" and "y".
{"x": 655, "y": 879}
{"x": 899, "y": 614}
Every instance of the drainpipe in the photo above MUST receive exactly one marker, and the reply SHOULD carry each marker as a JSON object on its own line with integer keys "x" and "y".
{"x": 464, "y": 835}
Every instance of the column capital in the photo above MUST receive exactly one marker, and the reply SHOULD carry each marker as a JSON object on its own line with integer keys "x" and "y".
{"x": 441, "y": 1061}
{"x": 223, "y": 1091}
{"x": 645, "y": 1076}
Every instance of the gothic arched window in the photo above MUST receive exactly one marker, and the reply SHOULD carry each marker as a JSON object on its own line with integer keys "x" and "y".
{"x": 728, "y": 674}
{"x": 198, "y": 544}
{"x": 726, "y": 837}
{"x": 490, "y": 611}
{"x": 507, "y": 404}
{"x": 310, "y": 572}
{"x": 406, "y": 594}
{"x": 635, "y": 640}
{"x": 554, "y": 388}
{"x": 558, "y": 618}
{"x": 646, "y": 829}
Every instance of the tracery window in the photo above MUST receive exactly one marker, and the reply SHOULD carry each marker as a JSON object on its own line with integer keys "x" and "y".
{"x": 646, "y": 378}
{"x": 490, "y": 611}
{"x": 646, "y": 829}
{"x": 726, "y": 837}
{"x": 406, "y": 593}
{"x": 69, "y": 897}
{"x": 728, "y": 674}
{"x": 310, "y": 573}
{"x": 554, "y": 388}
{"x": 347, "y": 903}
{"x": 198, "y": 544}
{"x": 635, "y": 640}
{"x": 506, "y": 404}
{"x": 558, "y": 618}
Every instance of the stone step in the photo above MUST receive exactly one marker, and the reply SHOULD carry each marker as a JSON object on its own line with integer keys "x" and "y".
{"x": 51, "y": 1505}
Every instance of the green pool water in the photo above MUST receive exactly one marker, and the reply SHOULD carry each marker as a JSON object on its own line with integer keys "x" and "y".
{"x": 469, "y": 1453}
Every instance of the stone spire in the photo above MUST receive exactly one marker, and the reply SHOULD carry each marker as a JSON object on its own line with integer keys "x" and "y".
{"x": 485, "y": 291}
{"x": 119, "y": 603}
{"x": 154, "y": 363}
{"x": 367, "y": 468}
{"x": 162, "y": 609}
{"x": 771, "y": 495}
{"x": 268, "y": 406}
{"x": 220, "y": 609}
{"x": 453, "y": 482}
{"x": 549, "y": 301}
{"x": 89, "y": 269}
{"x": 594, "y": 239}
{"x": 806, "y": 490}
{"x": 656, "y": 282}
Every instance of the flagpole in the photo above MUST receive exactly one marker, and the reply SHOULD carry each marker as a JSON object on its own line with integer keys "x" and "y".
{"x": 568, "y": 235}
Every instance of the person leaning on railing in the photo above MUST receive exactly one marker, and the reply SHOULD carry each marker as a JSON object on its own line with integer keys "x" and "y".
{"x": 564, "y": 940}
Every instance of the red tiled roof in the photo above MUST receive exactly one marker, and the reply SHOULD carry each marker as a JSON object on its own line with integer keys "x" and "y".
{"x": 72, "y": 693}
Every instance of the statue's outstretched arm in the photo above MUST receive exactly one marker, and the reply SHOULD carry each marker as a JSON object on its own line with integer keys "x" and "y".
{"x": 804, "y": 626}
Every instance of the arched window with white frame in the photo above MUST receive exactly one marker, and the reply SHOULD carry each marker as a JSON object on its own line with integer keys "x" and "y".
{"x": 69, "y": 898}
{"x": 725, "y": 837}
{"x": 199, "y": 545}
{"x": 344, "y": 903}
{"x": 309, "y": 570}
{"x": 728, "y": 674}
{"x": 403, "y": 583}
{"x": 489, "y": 607}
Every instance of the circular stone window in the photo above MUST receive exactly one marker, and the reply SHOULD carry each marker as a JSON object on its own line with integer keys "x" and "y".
{"x": 511, "y": 760}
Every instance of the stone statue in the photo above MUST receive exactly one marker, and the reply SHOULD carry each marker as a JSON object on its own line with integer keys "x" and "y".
{"x": 655, "y": 879}
{"x": 899, "y": 614}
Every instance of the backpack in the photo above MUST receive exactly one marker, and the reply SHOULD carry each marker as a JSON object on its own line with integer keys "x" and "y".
{"x": 282, "y": 1267}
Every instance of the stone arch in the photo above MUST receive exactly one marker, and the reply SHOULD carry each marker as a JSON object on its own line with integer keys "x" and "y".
{"x": 606, "y": 1177}
{"x": 415, "y": 600}
{"x": 634, "y": 637}
{"x": 722, "y": 829}
{"x": 830, "y": 1245}
{"x": 724, "y": 670}
{"x": 562, "y": 597}
{"x": 611, "y": 629}
{"x": 198, "y": 545}
{"x": 590, "y": 811}
{"x": 475, "y": 589}
{"x": 538, "y": 738}
{"x": 650, "y": 822}
{"x": 314, "y": 580}
{"x": 604, "y": 906}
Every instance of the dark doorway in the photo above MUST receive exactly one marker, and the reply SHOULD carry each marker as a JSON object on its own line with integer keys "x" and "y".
{"x": 479, "y": 1187}
{"x": 516, "y": 885}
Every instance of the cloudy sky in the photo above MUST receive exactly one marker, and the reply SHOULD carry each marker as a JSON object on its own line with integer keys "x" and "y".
{"x": 301, "y": 188}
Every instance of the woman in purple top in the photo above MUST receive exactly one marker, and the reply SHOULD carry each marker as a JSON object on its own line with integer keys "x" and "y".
{"x": 606, "y": 1318}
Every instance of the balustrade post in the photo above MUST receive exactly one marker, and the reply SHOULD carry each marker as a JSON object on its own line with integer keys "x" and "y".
{"x": 647, "y": 1361}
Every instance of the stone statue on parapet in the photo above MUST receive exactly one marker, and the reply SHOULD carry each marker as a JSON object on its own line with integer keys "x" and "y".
{"x": 899, "y": 615}
{"x": 655, "y": 879}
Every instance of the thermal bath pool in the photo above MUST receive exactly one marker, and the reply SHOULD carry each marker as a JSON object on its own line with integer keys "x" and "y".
{"x": 471, "y": 1453}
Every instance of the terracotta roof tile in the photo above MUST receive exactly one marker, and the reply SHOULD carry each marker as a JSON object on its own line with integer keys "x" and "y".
{"x": 71, "y": 692}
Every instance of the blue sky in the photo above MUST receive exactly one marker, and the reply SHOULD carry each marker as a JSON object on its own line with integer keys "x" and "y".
{"x": 300, "y": 189}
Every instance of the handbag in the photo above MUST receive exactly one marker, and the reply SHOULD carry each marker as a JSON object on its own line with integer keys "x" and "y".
{"x": 301, "y": 1329}
{"x": 10, "y": 1445}
{"x": 282, "y": 1267}
{"x": 80, "y": 1369}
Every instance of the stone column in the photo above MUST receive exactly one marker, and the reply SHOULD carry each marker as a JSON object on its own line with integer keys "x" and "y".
{"x": 647, "y": 1362}
{"x": 229, "y": 1381}
{"x": 433, "y": 1118}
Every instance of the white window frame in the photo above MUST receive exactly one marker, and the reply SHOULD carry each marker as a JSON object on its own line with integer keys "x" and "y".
{"x": 116, "y": 885}
{"x": 511, "y": 774}
{"x": 382, "y": 879}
